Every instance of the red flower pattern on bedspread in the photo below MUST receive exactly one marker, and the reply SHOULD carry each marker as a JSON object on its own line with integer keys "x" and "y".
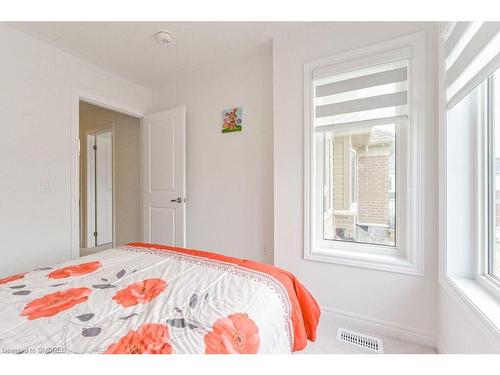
{"x": 151, "y": 338}
{"x": 79, "y": 269}
{"x": 54, "y": 303}
{"x": 6, "y": 280}
{"x": 140, "y": 292}
{"x": 235, "y": 334}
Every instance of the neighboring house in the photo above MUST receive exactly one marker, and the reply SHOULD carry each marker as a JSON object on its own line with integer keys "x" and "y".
{"x": 360, "y": 194}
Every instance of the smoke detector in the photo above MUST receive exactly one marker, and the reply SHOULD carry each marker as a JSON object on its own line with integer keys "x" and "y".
{"x": 164, "y": 38}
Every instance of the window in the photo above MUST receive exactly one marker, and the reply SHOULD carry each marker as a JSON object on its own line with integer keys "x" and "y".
{"x": 471, "y": 75}
{"x": 469, "y": 168}
{"x": 361, "y": 150}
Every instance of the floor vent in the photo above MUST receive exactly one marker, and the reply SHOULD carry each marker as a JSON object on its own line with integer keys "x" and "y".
{"x": 358, "y": 339}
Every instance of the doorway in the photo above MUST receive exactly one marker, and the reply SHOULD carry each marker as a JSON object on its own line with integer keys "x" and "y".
{"x": 110, "y": 178}
{"x": 149, "y": 184}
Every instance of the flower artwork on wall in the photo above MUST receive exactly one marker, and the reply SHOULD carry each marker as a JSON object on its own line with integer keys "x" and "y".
{"x": 231, "y": 120}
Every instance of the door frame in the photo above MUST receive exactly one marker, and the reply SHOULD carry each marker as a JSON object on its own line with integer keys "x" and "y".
{"x": 78, "y": 95}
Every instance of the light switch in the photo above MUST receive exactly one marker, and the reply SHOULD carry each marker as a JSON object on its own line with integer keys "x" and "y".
{"x": 45, "y": 185}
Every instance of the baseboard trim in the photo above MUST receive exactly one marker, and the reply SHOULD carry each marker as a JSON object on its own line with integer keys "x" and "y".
{"x": 385, "y": 328}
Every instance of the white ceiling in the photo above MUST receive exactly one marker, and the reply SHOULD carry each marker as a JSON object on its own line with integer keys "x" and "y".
{"x": 129, "y": 49}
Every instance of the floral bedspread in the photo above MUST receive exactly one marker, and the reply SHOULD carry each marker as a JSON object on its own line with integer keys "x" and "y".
{"x": 137, "y": 299}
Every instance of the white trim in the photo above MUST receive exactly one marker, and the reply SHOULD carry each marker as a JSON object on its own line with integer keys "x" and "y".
{"x": 411, "y": 239}
{"x": 379, "y": 262}
{"x": 481, "y": 239}
{"x": 77, "y": 95}
{"x": 113, "y": 177}
{"x": 442, "y": 157}
{"x": 308, "y": 137}
{"x": 484, "y": 195}
{"x": 393, "y": 50}
{"x": 383, "y": 327}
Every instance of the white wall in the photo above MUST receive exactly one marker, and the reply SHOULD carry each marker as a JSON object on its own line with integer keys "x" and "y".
{"x": 460, "y": 330}
{"x": 229, "y": 176}
{"x": 402, "y": 301}
{"x": 461, "y": 181}
{"x": 35, "y": 91}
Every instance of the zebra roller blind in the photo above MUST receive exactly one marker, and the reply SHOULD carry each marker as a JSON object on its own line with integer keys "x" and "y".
{"x": 472, "y": 53}
{"x": 374, "y": 95}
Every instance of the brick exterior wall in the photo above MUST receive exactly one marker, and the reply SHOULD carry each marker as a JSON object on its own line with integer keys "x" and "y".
{"x": 338, "y": 175}
{"x": 373, "y": 188}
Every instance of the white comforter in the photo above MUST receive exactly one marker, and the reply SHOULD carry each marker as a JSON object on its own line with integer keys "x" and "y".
{"x": 141, "y": 300}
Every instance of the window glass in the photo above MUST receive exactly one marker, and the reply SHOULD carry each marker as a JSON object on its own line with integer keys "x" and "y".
{"x": 359, "y": 183}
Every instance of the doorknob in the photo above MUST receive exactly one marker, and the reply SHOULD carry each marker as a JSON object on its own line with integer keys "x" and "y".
{"x": 178, "y": 200}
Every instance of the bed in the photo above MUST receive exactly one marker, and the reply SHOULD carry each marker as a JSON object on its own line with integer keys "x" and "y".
{"x": 146, "y": 298}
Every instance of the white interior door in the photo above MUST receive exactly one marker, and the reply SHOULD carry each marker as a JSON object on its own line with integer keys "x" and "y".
{"x": 164, "y": 177}
{"x": 104, "y": 188}
{"x": 90, "y": 203}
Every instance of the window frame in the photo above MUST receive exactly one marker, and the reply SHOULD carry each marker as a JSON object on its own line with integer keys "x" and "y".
{"x": 353, "y": 180}
{"x": 331, "y": 206}
{"x": 486, "y": 197}
{"x": 409, "y": 258}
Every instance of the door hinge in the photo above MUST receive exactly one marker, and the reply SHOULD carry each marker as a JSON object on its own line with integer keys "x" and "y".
{"x": 94, "y": 147}
{"x": 95, "y": 234}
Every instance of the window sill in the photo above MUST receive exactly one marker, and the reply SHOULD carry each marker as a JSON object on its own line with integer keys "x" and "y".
{"x": 482, "y": 303}
{"x": 387, "y": 263}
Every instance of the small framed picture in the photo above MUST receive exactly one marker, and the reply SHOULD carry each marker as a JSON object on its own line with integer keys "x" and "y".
{"x": 232, "y": 120}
